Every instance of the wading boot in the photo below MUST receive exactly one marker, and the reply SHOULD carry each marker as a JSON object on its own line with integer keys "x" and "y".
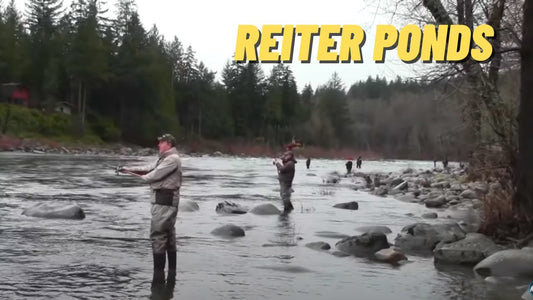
{"x": 159, "y": 268}
{"x": 287, "y": 207}
{"x": 171, "y": 263}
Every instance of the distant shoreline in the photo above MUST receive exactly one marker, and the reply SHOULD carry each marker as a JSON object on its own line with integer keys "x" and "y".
{"x": 193, "y": 148}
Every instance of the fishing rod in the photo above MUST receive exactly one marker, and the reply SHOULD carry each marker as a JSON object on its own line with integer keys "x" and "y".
{"x": 120, "y": 169}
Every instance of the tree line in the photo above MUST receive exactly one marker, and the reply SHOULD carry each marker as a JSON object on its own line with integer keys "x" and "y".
{"x": 128, "y": 83}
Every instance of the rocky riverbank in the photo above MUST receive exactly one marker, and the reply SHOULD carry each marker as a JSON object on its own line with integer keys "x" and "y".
{"x": 458, "y": 204}
{"x": 41, "y": 146}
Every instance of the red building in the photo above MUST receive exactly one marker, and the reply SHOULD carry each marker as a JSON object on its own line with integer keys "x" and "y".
{"x": 15, "y": 93}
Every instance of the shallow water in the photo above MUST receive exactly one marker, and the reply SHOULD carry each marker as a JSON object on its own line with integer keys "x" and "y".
{"x": 108, "y": 254}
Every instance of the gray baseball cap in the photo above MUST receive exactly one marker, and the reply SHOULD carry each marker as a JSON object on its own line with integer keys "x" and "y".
{"x": 167, "y": 137}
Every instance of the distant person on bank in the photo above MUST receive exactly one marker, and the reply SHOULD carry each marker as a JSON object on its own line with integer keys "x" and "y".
{"x": 165, "y": 182}
{"x": 349, "y": 165}
{"x": 359, "y": 162}
{"x": 286, "y": 170}
{"x": 308, "y": 163}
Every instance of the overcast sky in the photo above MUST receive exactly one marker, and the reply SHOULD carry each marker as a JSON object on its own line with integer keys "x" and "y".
{"x": 210, "y": 27}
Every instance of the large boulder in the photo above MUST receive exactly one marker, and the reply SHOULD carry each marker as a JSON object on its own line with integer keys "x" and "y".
{"x": 55, "y": 211}
{"x": 230, "y": 208}
{"x": 265, "y": 209}
{"x": 512, "y": 263}
{"x": 469, "y": 251}
{"x": 364, "y": 245}
{"x": 188, "y": 206}
{"x": 228, "y": 230}
{"x": 349, "y": 205}
{"x": 423, "y": 237}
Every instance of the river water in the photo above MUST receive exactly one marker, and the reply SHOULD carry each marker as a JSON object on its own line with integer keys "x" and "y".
{"x": 108, "y": 254}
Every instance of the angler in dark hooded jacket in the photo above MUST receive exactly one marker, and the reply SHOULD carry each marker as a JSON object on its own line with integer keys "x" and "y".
{"x": 285, "y": 175}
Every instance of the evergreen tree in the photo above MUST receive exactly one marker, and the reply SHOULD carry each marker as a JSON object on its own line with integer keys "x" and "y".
{"x": 42, "y": 17}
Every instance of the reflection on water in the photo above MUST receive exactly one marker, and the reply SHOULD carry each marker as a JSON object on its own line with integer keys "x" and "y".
{"x": 108, "y": 254}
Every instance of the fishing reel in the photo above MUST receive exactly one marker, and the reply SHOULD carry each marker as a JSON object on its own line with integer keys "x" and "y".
{"x": 118, "y": 170}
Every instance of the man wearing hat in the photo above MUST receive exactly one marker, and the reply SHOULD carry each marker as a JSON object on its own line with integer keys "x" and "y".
{"x": 285, "y": 176}
{"x": 165, "y": 183}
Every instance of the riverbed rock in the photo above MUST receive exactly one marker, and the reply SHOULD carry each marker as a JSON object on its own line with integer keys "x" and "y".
{"x": 188, "y": 206}
{"x": 389, "y": 255}
{"x": 227, "y": 207}
{"x": 55, "y": 211}
{"x": 368, "y": 229}
{"x": 431, "y": 215}
{"x": 468, "y": 194}
{"x": 380, "y": 191}
{"x": 423, "y": 237}
{"x": 321, "y": 246}
{"x": 332, "y": 179}
{"x": 229, "y": 230}
{"x": 402, "y": 186}
{"x": 469, "y": 251}
{"x": 363, "y": 245}
{"x": 513, "y": 262}
{"x": 396, "y": 181}
{"x": 441, "y": 184}
{"x": 348, "y": 205}
{"x": 436, "y": 202}
{"x": 265, "y": 209}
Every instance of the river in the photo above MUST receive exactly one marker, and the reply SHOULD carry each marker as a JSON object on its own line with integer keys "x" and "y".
{"x": 107, "y": 255}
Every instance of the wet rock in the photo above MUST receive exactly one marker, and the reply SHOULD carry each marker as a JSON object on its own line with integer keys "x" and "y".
{"x": 349, "y": 205}
{"x": 402, "y": 186}
{"x": 318, "y": 246}
{"x": 436, "y": 203}
{"x": 441, "y": 184}
{"x": 469, "y": 251}
{"x": 514, "y": 263}
{"x": 331, "y": 234}
{"x": 331, "y": 179}
{"x": 265, "y": 209}
{"x": 431, "y": 215}
{"x": 230, "y": 208}
{"x": 287, "y": 269}
{"x": 389, "y": 255}
{"x": 340, "y": 254}
{"x": 468, "y": 194}
{"x": 218, "y": 154}
{"x": 55, "y": 211}
{"x": 381, "y": 191}
{"x": 396, "y": 181}
{"x": 188, "y": 206}
{"x": 363, "y": 245}
{"x": 423, "y": 237}
{"x": 408, "y": 198}
{"x": 228, "y": 230}
{"x": 368, "y": 229}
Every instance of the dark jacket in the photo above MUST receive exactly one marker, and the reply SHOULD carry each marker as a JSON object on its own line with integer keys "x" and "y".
{"x": 286, "y": 172}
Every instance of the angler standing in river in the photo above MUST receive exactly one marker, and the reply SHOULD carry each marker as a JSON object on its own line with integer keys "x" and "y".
{"x": 286, "y": 172}
{"x": 165, "y": 182}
